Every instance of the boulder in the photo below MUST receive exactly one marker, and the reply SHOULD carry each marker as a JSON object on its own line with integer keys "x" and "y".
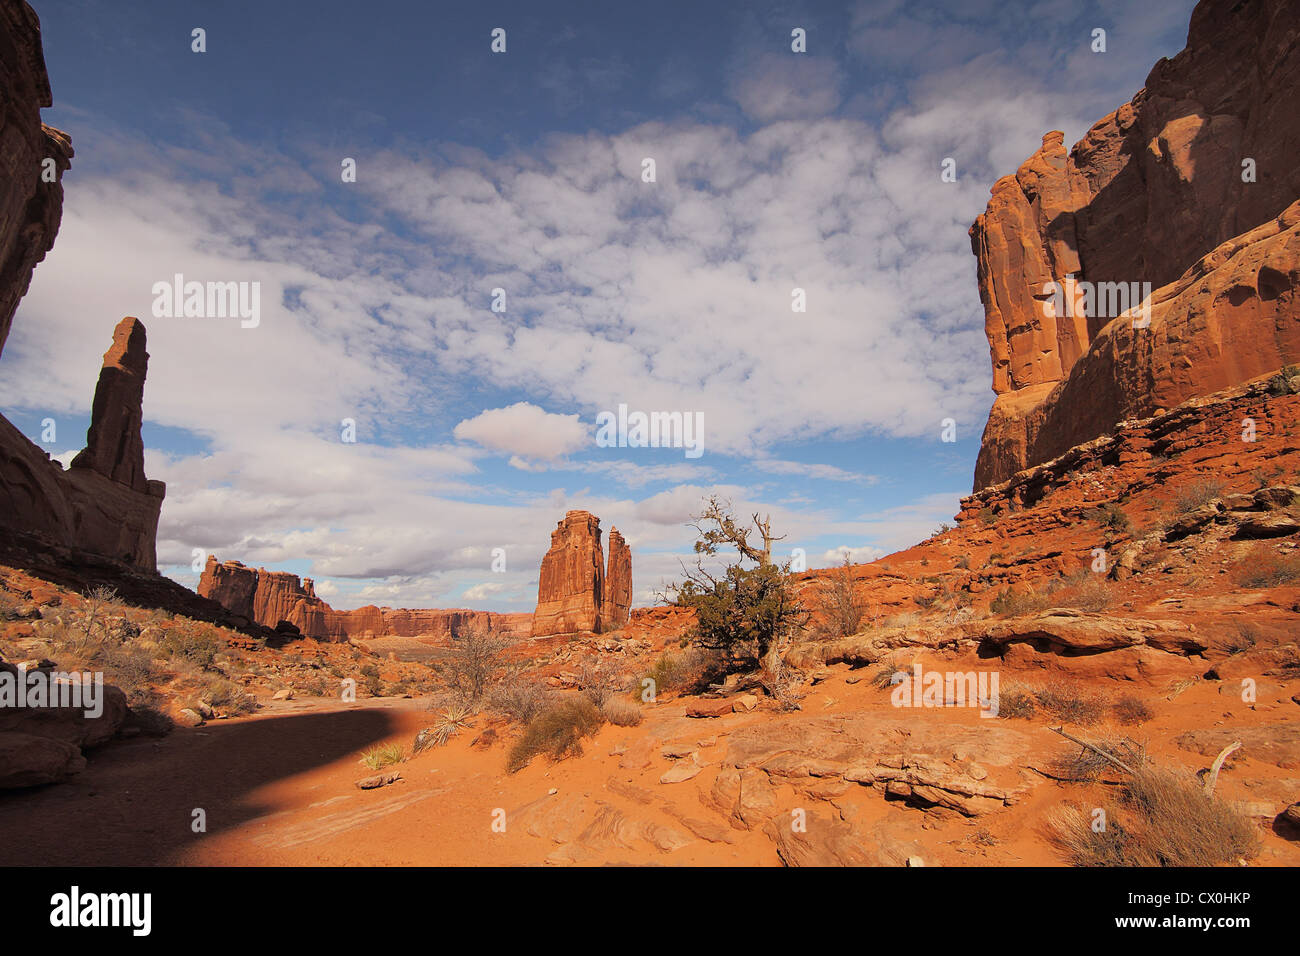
{"x": 29, "y": 760}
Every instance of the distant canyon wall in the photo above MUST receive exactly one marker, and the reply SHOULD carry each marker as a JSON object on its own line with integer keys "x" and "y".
{"x": 1188, "y": 187}
{"x": 270, "y": 597}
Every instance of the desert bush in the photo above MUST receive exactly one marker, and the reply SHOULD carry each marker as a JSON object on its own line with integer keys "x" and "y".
{"x": 1280, "y": 384}
{"x": 841, "y": 609}
{"x": 1199, "y": 493}
{"x": 226, "y": 696}
{"x": 1016, "y": 702}
{"x": 521, "y": 700}
{"x": 1067, "y": 703}
{"x": 1131, "y": 709}
{"x": 370, "y": 681}
{"x": 476, "y": 661}
{"x": 782, "y": 683}
{"x": 883, "y": 677}
{"x": 1011, "y": 603}
{"x": 1245, "y": 638}
{"x": 1266, "y": 569}
{"x": 131, "y": 669}
{"x": 1162, "y": 818}
{"x": 385, "y": 755}
{"x": 1058, "y": 700}
{"x": 95, "y": 605}
{"x": 599, "y": 683}
{"x": 197, "y": 648}
{"x": 1084, "y": 765}
{"x": 556, "y": 732}
{"x": 678, "y": 672}
{"x": 621, "y": 712}
{"x": 1087, "y": 592}
{"x": 1110, "y": 516}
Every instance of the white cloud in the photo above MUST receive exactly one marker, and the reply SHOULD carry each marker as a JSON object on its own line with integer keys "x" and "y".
{"x": 525, "y": 431}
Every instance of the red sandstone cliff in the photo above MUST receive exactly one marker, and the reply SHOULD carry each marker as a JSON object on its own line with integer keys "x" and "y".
{"x": 269, "y": 597}
{"x": 575, "y": 591}
{"x": 30, "y": 206}
{"x": 104, "y": 504}
{"x": 618, "y": 583}
{"x": 1143, "y": 197}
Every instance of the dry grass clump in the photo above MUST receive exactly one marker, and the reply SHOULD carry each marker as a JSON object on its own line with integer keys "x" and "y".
{"x": 1015, "y": 701}
{"x": 1059, "y": 700}
{"x": 556, "y": 732}
{"x": 1131, "y": 709}
{"x": 1068, "y": 703}
{"x": 1084, "y": 591}
{"x": 521, "y": 700}
{"x": 385, "y": 755}
{"x": 687, "y": 672}
{"x": 599, "y": 683}
{"x": 621, "y": 712}
{"x": 1085, "y": 765}
{"x": 839, "y": 607}
{"x": 1245, "y": 638}
{"x": 1162, "y": 818}
{"x": 1198, "y": 494}
{"x": 1265, "y": 568}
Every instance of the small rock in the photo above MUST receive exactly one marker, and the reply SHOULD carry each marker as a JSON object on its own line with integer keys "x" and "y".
{"x": 553, "y": 791}
{"x": 285, "y": 694}
{"x": 915, "y": 861}
{"x": 379, "y": 780}
{"x": 745, "y": 703}
{"x": 189, "y": 718}
{"x": 681, "y": 771}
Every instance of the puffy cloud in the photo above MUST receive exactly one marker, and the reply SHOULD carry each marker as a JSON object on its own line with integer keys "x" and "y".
{"x": 525, "y": 431}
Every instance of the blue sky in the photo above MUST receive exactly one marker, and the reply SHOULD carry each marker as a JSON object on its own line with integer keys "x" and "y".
{"x": 522, "y": 171}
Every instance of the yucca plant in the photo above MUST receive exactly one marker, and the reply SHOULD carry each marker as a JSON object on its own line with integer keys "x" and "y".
{"x": 450, "y": 722}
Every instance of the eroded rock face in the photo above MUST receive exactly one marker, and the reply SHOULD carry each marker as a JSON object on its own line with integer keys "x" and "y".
{"x": 571, "y": 585}
{"x": 618, "y": 582}
{"x": 114, "y": 446}
{"x": 269, "y": 597}
{"x": 104, "y": 504}
{"x": 576, "y": 591}
{"x": 30, "y": 205}
{"x": 1149, "y": 191}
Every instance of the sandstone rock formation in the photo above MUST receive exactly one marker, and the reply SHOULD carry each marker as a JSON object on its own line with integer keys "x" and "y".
{"x": 575, "y": 591}
{"x": 104, "y": 505}
{"x": 618, "y": 582}
{"x": 1159, "y": 192}
{"x": 30, "y": 204}
{"x": 114, "y": 446}
{"x": 271, "y": 597}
